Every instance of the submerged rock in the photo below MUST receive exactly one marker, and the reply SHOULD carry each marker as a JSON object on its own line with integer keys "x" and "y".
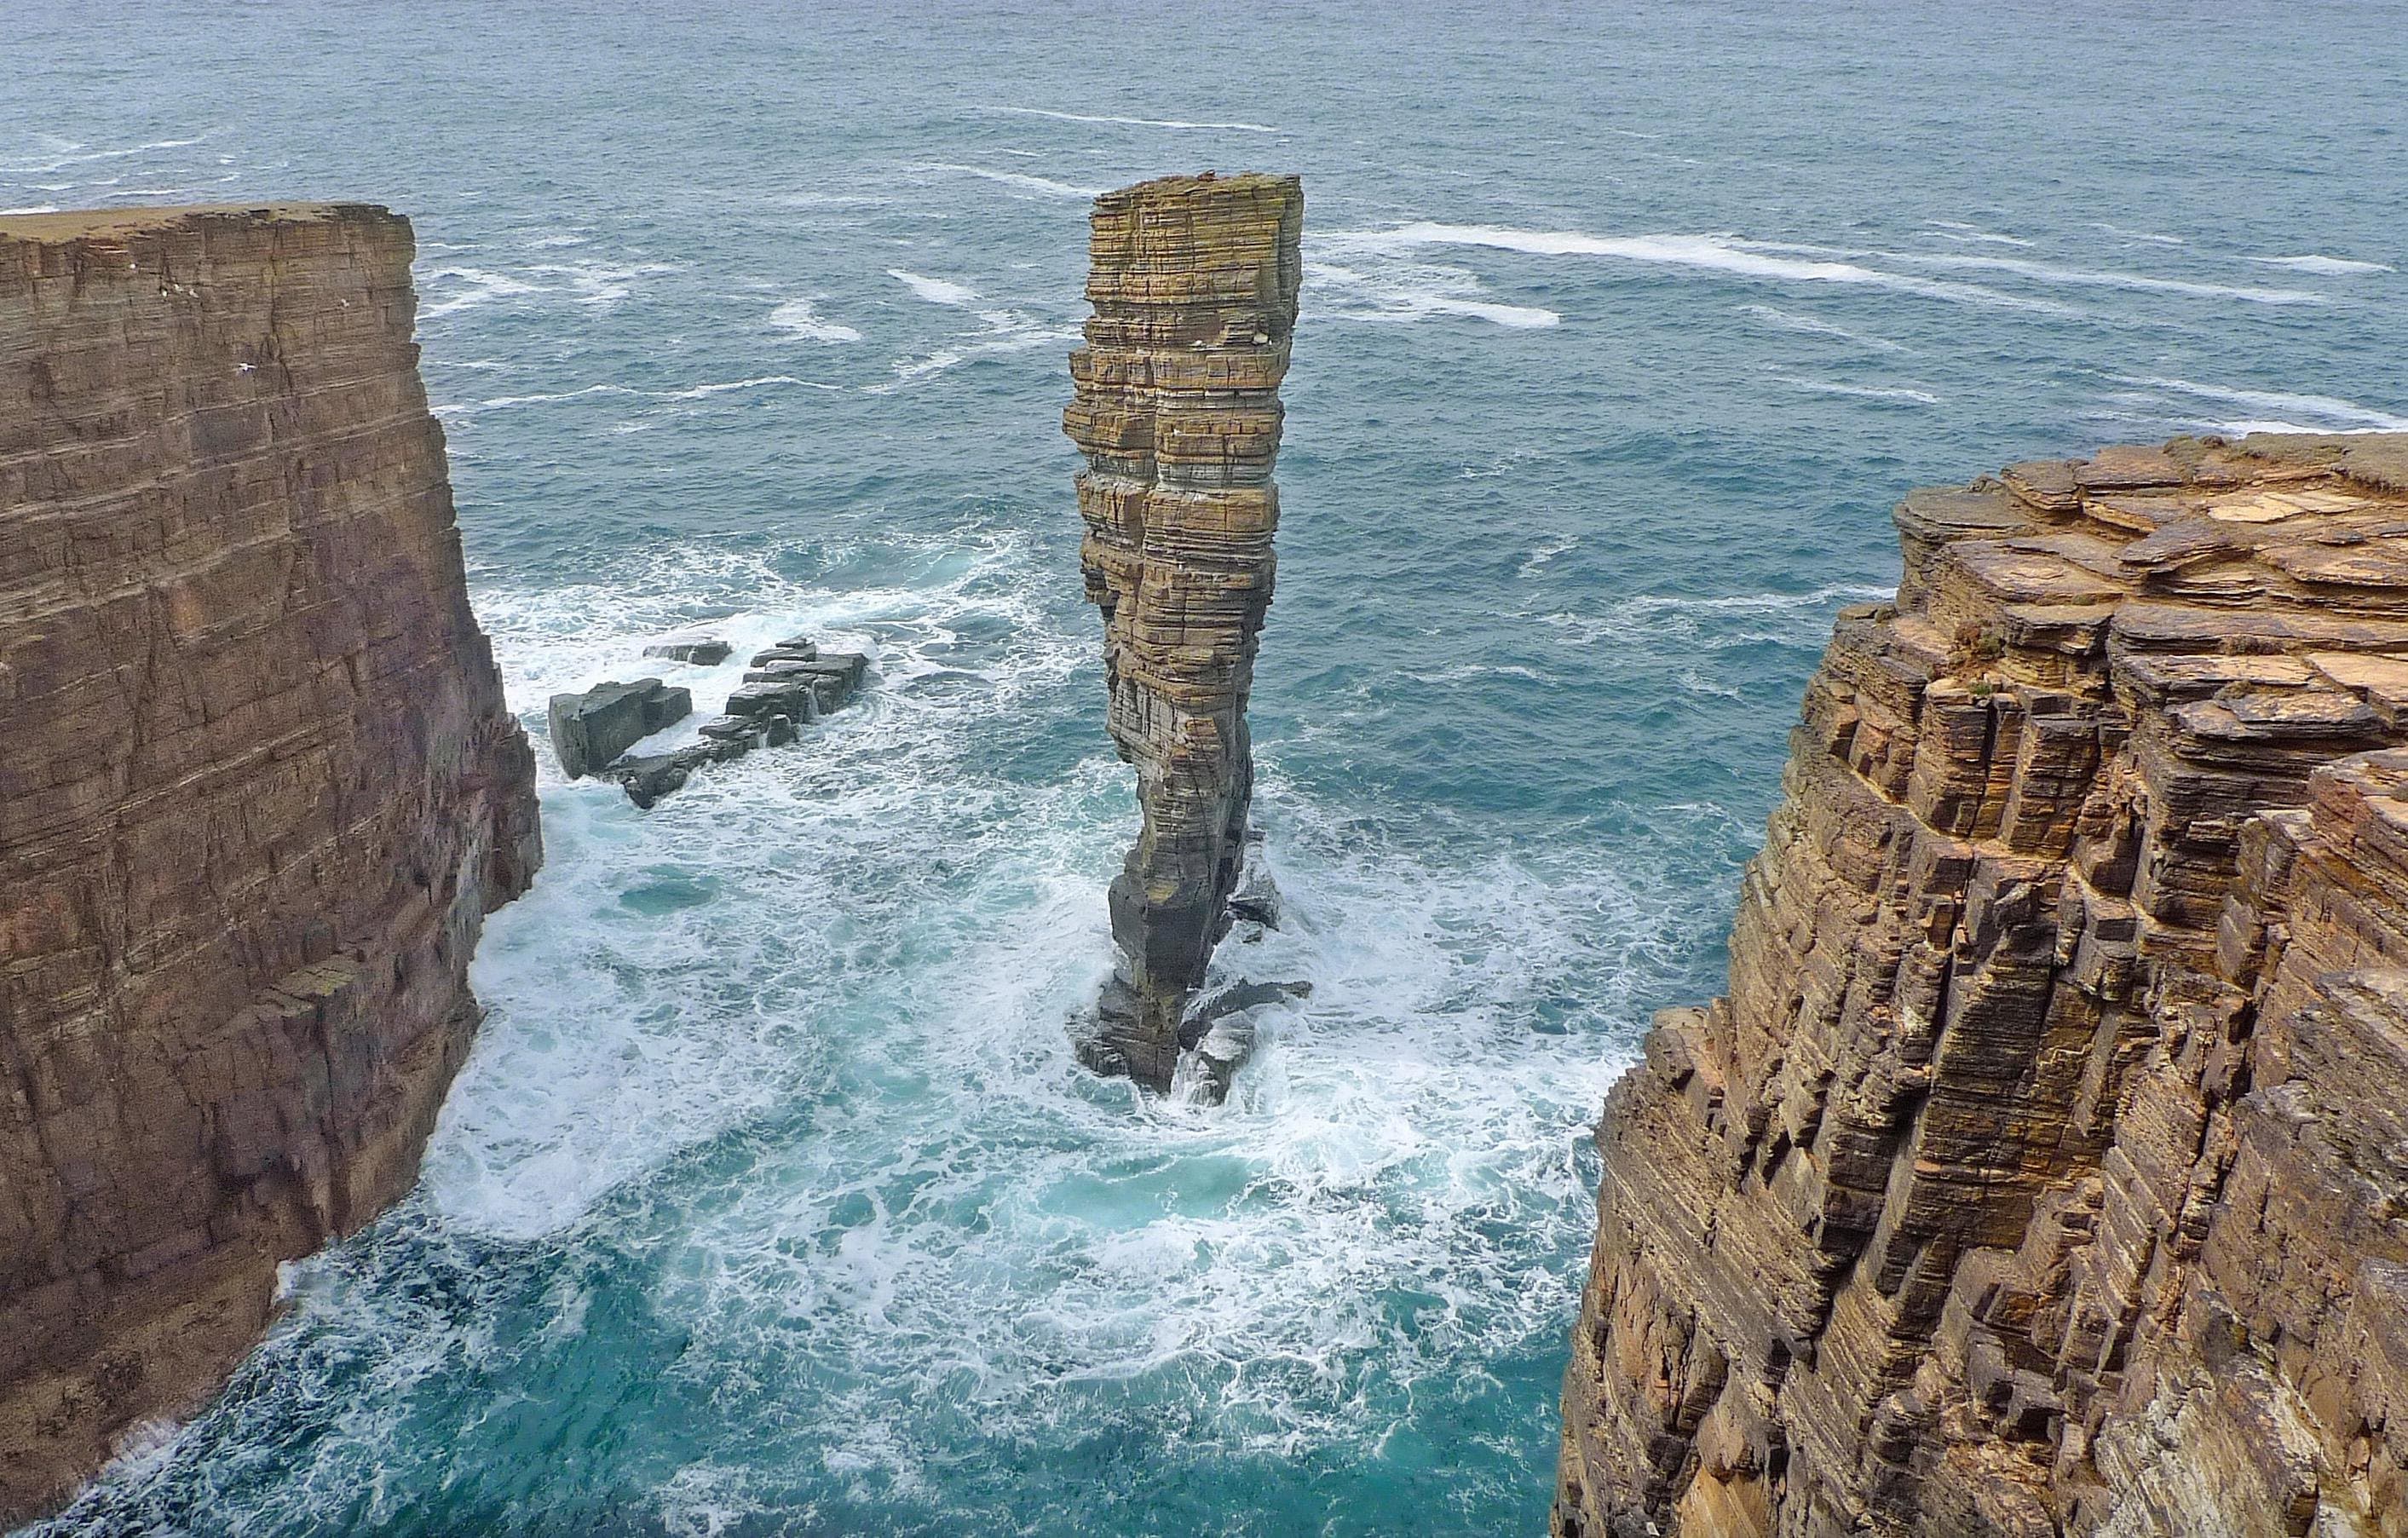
{"x": 1194, "y": 281}
{"x": 789, "y": 686}
{"x": 590, "y": 729}
{"x": 707, "y": 652}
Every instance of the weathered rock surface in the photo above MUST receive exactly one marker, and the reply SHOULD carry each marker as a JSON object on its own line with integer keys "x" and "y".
{"x": 2045, "y": 1169}
{"x": 258, "y": 791}
{"x": 590, "y": 729}
{"x": 702, "y": 651}
{"x": 789, "y": 686}
{"x": 1194, "y": 281}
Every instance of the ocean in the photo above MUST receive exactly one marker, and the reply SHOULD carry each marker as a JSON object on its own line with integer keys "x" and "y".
{"x": 771, "y": 1201}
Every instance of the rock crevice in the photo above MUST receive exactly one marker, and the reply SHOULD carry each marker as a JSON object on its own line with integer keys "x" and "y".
{"x": 1194, "y": 281}
{"x": 259, "y": 791}
{"x": 2042, "y": 1170}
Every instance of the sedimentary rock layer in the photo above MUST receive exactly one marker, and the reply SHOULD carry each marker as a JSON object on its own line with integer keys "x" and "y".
{"x": 1194, "y": 281}
{"x": 2045, "y": 1169}
{"x": 258, "y": 790}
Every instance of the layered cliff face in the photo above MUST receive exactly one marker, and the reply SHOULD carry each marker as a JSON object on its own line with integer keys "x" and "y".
{"x": 1194, "y": 281}
{"x": 258, "y": 792}
{"x": 2045, "y": 1169}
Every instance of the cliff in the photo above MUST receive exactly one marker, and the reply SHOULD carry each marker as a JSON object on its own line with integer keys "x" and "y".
{"x": 2045, "y": 1169}
{"x": 258, "y": 791}
{"x": 1194, "y": 281}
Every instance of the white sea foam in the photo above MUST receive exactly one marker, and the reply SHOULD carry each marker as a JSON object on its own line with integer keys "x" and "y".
{"x": 1862, "y": 391}
{"x": 1720, "y": 253}
{"x": 1001, "y": 330}
{"x": 37, "y": 207}
{"x": 1411, "y": 292}
{"x": 800, "y": 319}
{"x": 1954, "y": 229}
{"x": 1045, "y": 185}
{"x": 85, "y": 157}
{"x": 700, "y": 392}
{"x": 1657, "y": 620}
{"x": 2139, "y": 235}
{"x": 592, "y": 282}
{"x": 2323, "y": 266}
{"x": 1813, "y": 325}
{"x": 456, "y": 410}
{"x": 937, "y": 291}
{"x": 2045, "y": 273}
{"x": 476, "y": 286}
{"x": 2323, "y": 413}
{"x": 1137, "y": 123}
{"x": 503, "y": 403}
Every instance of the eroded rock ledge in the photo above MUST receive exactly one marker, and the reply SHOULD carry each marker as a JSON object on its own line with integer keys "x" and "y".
{"x": 1194, "y": 281}
{"x": 258, "y": 791}
{"x": 2045, "y": 1169}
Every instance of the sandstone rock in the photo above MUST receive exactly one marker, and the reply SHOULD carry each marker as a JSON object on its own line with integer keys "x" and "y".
{"x": 2042, "y": 1171}
{"x": 590, "y": 729}
{"x": 257, "y": 793}
{"x": 1194, "y": 281}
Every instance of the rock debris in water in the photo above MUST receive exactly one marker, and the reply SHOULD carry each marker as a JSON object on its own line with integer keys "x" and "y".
{"x": 259, "y": 791}
{"x": 2042, "y": 1170}
{"x": 1194, "y": 281}
{"x": 787, "y": 687}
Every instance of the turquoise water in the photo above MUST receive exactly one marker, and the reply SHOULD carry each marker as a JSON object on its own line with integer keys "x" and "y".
{"x": 771, "y": 1201}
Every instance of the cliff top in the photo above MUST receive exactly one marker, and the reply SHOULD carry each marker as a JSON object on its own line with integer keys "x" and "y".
{"x": 73, "y": 224}
{"x": 1205, "y": 182}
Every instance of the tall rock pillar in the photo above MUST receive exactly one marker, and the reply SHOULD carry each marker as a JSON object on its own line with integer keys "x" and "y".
{"x": 1194, "y": 281}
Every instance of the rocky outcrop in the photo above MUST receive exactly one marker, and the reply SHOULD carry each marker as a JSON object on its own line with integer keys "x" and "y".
{"x": 1194, "y": 281}
{"x": 590, "y": 729}
{"x": 787, "y": 687}
{"x": 2045, "y": 1169}
{"x": 257, "y": 793}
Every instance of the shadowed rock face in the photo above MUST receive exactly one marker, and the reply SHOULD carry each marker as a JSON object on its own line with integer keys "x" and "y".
{"x": 1194, "y": 281}
{"x": 2042, "y": 1171}
{"x": 258, "y": 791}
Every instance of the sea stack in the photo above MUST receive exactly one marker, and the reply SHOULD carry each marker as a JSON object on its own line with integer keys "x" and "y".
{"x": 2045, "y": 1169}
{"x": 258, "y": 792}
{"x": 1194, "y": 281}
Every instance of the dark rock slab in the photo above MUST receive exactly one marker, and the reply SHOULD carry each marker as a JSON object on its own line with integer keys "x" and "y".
{"x": 707, "y": 652}
{"x": 590, "y": 729}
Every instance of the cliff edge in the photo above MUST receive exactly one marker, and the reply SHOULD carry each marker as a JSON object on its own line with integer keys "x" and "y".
{"x": 2045, "y": 1169}
{"x": 258, "y": 791}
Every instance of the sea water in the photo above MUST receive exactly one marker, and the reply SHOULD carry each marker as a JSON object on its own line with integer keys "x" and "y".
{"x": 771, "y": 1200}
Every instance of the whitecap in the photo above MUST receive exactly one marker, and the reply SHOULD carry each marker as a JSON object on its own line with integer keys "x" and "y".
{"x": 87, "y": 157}
{"x": 2328, "y": 413}
{"x": 36, "y": 207}
{"x": 1862, "y": 391}
{"x": 2043, "y": 272}
{"x": 604, "y": 282}
{"x": 2138, "y": 235}
{"x": 1665, "y": 620}
{"x": 1412, "y": 292}
{"x": 1813, "y": 325}
{"x": 1958, "y": 230}
{"x": 800, "y": 320}
{"x": 1137, "y": 123}
{"x": 937, "y": 291}
{"x": 2323, "y": 266}
{"x": 701, "y": 391}
{"x": 1708, "y": 252}
{"x": 1020, "y": 179}
{"x": 482, "y": 288}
